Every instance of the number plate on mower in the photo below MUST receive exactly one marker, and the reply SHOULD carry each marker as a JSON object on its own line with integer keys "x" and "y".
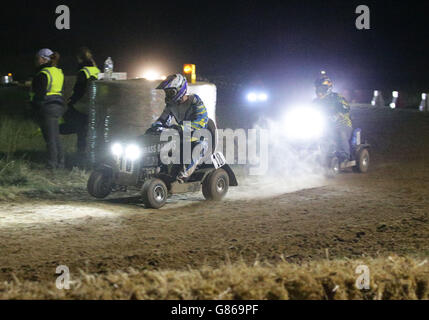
{"x": 218, "y": 160}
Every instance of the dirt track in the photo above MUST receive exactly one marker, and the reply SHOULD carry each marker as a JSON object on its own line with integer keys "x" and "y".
{"x": 382, "y": 212}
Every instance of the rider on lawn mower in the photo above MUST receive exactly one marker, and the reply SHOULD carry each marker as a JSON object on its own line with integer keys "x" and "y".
{"x": 187, "y": 110}
{"x": 338, "y": 110}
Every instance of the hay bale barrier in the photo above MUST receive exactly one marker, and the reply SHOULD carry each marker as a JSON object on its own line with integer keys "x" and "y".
{"x": 390, "y": 278}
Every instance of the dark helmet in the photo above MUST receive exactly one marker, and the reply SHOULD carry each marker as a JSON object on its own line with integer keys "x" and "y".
{"x": 323, "y": 85}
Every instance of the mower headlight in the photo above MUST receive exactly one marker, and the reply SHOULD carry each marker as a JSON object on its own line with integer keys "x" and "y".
{"x": 262, "y": 97}
{"x": 117, "y": 149}
{"x": 304, "y": 123}
{"x": 132, "y": 152}
{"x": 252, "y": 97}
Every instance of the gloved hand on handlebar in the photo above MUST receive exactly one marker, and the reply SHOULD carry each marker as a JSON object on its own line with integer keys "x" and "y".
{"x": 158, "y": 127}
{"x": 176, "y": 127}
{"x": 155, "y": 129}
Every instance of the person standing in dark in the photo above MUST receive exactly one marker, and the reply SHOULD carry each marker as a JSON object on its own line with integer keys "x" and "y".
{"x": 76, "y": 117}
{"x": 48, "y": 103}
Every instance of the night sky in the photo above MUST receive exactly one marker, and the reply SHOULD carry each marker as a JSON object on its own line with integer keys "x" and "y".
{"x": 238, "y": 40}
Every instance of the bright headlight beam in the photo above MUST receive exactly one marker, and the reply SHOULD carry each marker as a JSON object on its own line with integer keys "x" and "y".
{"x": 304, "y": 123}
{"x": 262, "y": 97}
{"x": 252, "y": 97}
{"x": 117, "y": 149}
{"x": 257, "y": 97}
{"x": 132, "y": 152}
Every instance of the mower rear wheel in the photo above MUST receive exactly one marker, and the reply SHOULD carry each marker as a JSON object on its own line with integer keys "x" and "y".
{"x": 362, "y": 163}
{"x": 215, "y": 185}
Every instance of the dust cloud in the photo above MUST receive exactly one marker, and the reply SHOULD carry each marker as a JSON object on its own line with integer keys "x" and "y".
{"x": 289, "y": 168}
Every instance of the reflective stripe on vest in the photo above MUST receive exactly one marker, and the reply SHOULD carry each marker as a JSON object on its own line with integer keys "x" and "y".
{"x": 90, "y": 72}
{"x": 55, "y": 80}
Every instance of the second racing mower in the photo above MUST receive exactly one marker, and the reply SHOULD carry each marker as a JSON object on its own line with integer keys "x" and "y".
{"x": 307, "y": 132}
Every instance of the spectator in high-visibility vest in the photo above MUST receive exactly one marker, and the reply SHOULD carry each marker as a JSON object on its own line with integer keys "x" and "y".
{"x": 48, "y": 103}
{"x": 76, "y": 117}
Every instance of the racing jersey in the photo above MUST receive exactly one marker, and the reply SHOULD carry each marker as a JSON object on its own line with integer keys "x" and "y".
{"x": 337, "y": 107}
{"x": 192, "y": 110}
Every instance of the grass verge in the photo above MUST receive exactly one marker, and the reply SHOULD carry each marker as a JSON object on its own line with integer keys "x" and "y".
{"x": 23, "y": 178}
{"x": 22, "y": 157}
{"x": 390, "y": 278}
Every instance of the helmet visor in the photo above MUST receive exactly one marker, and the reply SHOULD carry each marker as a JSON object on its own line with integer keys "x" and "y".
{"x": 322, "y": 90}
{"x": 170, "y": 94}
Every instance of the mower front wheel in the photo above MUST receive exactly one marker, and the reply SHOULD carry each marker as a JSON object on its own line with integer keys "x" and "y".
{"x": 99, "y": 184}
{"x": 333, "y": 168}
{"x": 154, "y": 193}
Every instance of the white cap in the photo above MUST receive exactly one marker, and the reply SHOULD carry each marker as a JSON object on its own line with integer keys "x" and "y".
{"x": 45, "y": 53}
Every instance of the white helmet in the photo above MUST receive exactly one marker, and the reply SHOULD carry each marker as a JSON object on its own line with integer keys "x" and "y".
{"x": 175, "y": 87}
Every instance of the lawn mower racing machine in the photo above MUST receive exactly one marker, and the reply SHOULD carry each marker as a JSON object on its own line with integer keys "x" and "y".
{"x": 308, "y": 131}
{"x": 138, "y": 165}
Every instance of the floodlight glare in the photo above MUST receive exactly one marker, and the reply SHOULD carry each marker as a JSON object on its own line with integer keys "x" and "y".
{"x": 152, "y": 75}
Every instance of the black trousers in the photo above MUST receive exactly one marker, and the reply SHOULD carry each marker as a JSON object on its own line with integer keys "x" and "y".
{"x": 49, "y": 115}
{"x": 76, "y": 122}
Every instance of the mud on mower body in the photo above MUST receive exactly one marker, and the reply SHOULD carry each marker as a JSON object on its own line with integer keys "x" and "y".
{"x": 156, "y": 180}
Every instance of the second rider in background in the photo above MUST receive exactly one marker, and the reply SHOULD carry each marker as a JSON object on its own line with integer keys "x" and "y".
{"x": 338, "y": 109}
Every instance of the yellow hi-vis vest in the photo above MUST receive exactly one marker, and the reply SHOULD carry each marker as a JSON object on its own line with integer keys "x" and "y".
{"x": 82, "y": 104}
{"x": 90, "y": 72}
{"x": 55, "y": 80}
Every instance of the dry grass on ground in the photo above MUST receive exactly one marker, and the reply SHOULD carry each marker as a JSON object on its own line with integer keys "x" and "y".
{"x": 22, "y": 158}
{"x": 390, "y": 278}
{"x": 20, "y": 178}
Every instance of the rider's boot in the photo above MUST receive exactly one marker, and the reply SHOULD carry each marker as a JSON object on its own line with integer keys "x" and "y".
{"x": 187, "y": 171}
